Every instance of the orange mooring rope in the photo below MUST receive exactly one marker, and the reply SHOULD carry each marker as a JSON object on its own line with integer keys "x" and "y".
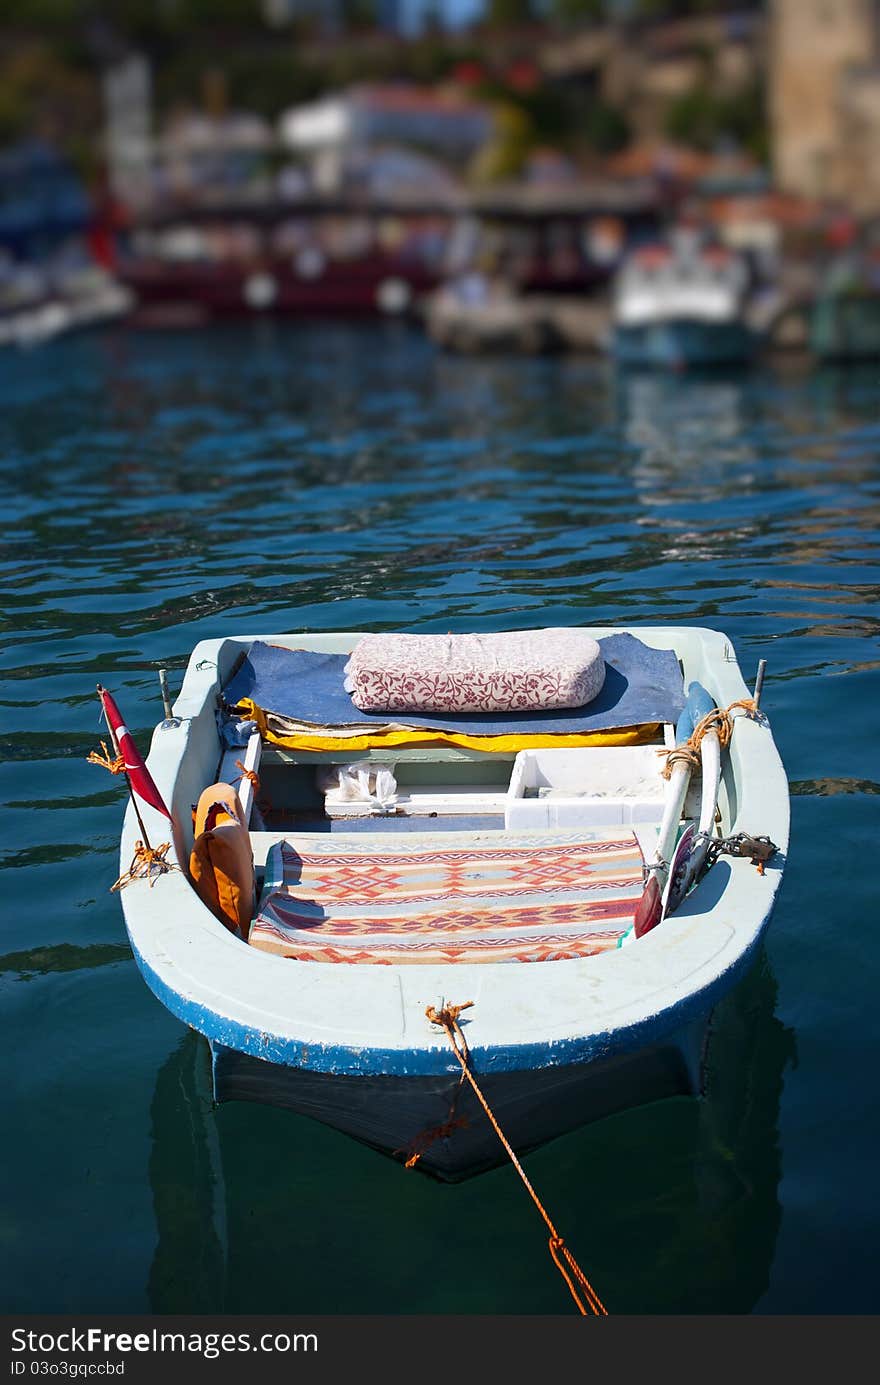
{"x": 579, "y": 1286}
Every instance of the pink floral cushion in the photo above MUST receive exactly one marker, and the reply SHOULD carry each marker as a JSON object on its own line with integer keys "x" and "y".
{"x": 509, "y": 671}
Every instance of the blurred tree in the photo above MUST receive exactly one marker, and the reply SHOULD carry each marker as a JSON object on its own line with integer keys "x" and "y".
{"x": 185, "y": 15}
{"x": 606, "y": 128}
{"x": 702, "y": 118}
{"x": 692, "y": 118}
{"x": 577, "y": 11}
{"x": 264, "y": 81}
{"x": 548, "y": 114}
{"x": 40, "y": 94}
{"x": 504, "y": 155}
{"x": 745, "y": 118}
{"x": 39, "y": 14}
{"x": 508, "y": 13}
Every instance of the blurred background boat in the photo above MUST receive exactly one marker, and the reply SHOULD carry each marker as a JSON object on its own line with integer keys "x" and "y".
{"x": 38, "y": 303}
{"x": 52, "y": 278}
{"x": 683, "y": 303}
{"x": 316, "y": 258}
{"x": 529, "y": 268}
{"x": 342, "y": 206}
{"x": 845, "y": 318}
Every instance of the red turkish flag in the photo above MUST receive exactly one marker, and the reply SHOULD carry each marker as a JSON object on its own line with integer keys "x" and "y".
{"x": 138, "y": 775}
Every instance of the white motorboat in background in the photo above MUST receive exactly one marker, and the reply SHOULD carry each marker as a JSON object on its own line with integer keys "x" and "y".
{"x": 682, "y": 304}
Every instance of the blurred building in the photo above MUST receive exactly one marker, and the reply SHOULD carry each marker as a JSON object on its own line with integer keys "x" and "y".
{"x": 199, "y": 155}
{"x": 339, "y": 129}
{"x": 825, "y": 99}
{"x": 858, "y": 164}
{"x": 645, "y": 68}
{"x": 128, "y": 118}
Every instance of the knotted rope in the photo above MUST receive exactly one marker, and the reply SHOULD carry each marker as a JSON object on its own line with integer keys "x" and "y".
{"x": 250, "y": 775}
{"x": 116, "y": 765}
{"x": 147, "y": 862}
{"x": 720, "y": 720}
{"x": 579, "y": 1286}
{"x": 264, "y": 803}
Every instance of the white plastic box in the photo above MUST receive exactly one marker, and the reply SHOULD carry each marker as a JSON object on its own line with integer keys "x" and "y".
{"x": 595, "y": 786}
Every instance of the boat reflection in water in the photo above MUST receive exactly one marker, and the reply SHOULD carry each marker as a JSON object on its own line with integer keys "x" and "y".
{"x": 672, "y": 1207}
{"x": 682, "y": 424}
{"x": 690, "y": 446}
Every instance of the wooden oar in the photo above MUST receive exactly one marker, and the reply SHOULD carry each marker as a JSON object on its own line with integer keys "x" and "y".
{"x": 650, "y": 907}
{"x": 689, "y": 864}
{"x": 691, "y": 856}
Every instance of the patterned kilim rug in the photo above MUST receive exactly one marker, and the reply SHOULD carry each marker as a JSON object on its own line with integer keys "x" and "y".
{"x": 494, "y": 897}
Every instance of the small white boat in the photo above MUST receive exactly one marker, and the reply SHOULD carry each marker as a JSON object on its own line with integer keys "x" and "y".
{"x": 682, "y": 305}
{"x": 593, "y": 910}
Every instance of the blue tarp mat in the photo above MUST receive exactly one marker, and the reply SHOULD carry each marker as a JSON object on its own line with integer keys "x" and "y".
{"x": 641, "y": 685}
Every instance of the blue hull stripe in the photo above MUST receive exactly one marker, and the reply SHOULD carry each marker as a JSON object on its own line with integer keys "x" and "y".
{"x": 414, "y": 1062}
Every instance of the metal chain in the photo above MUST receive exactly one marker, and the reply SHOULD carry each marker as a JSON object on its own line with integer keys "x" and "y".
{"x": 758, "y": 849}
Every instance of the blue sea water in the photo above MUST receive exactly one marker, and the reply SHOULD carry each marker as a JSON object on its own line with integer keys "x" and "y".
{"x": 160, "y": 489}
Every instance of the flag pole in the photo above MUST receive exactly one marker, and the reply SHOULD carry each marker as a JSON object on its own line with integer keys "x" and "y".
{"x": 148, "y": 861}
{"x": 114, "y": 742}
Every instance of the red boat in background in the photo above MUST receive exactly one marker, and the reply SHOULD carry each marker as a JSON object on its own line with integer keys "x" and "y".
{"x": 194, "y": 268}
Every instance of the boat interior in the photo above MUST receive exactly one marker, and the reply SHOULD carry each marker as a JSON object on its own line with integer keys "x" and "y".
{"x": 476, "y": 829}
{"x": 427, "y": 850}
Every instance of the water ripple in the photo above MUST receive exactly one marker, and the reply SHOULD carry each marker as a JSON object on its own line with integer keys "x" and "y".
{"x": 163, "y": 489}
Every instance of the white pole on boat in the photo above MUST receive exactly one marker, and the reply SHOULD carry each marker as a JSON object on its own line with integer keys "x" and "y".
{"x": 166, "y": 698}
{"x": 699, "y": 704}
{"x": 710, "y": 751}
{"x": 759, "y": 682}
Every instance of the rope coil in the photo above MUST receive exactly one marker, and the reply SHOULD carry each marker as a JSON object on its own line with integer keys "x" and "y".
{"x": 721, "y": 721}
{"x": 580, "y": 1288}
